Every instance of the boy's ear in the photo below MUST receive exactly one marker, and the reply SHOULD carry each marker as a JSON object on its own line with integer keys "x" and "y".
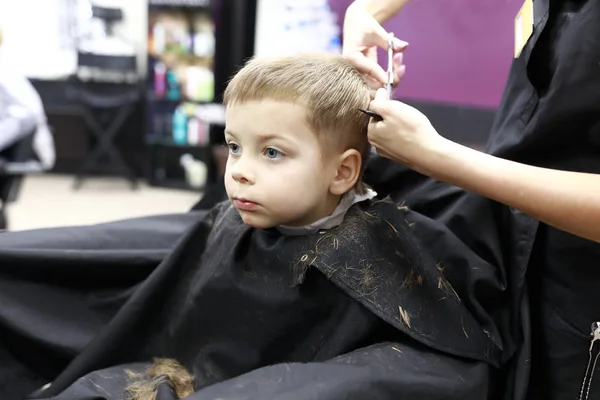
{"x": 348, "y": 172}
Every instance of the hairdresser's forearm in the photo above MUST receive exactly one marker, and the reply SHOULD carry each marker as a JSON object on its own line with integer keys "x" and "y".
{"x": 381, "y": 10}
{"x": 569, "y": 201}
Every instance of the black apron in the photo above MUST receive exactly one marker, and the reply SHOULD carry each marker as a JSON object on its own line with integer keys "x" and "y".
{"x": 549, "y": 117}
{"x": 354, "y": 310}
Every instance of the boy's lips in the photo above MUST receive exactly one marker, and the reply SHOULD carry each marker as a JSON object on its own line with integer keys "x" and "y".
{"x": 244, "y": 204}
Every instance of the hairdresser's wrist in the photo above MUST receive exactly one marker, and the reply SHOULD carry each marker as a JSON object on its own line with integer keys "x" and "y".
{"x": 437, "y": 158}
{"x": 381, "y": 10}
{"x": 453, "y": 163}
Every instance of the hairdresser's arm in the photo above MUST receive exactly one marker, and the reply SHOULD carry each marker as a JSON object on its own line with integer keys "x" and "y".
{"x": 566, "y": 200}
{"x": 569, "y": 201}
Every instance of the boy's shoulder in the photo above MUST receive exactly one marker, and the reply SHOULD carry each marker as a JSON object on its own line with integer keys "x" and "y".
{"x": 375, "y": 257}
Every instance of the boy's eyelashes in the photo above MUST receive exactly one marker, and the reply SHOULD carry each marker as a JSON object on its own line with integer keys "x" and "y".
{"x": 269, "y": 152}
{"x": 272, "y": 153}
{"x": 233, "y": 148}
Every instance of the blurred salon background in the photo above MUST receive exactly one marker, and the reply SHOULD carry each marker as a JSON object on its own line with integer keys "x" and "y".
{"x": 110, "y": 109}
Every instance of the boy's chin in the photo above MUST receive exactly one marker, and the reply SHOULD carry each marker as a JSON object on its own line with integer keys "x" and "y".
{"x": 258, "y": 222}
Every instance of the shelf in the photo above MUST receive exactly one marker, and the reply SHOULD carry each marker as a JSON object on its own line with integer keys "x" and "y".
{"x": 210, "y": 113}
{"x": 150, "y": 96}
{"x": 180, "y": 3}
{"x": 168, "y": 142}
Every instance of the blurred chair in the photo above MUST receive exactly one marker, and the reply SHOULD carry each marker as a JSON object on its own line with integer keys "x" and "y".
{"x": 105, "y": 108}
{"x": 15, "y": 162}
{"x": 107, "y": 87}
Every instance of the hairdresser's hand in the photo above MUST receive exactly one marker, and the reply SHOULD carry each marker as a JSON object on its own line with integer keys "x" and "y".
{"x": 405, "y": 135}
{"x": 362, "y": 35}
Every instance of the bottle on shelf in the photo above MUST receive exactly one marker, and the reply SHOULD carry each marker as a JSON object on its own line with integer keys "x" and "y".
{"x": 192, "y": 133}
{"x": 173, "y": 89}
{"x": 160, "y": 79}
{"x": 180, "y": 127}
{"x": 203, "y": 36}
{"x": 158, "y": 38}
{"x": 200, "y": 84}
{"x": 203, "y": 133}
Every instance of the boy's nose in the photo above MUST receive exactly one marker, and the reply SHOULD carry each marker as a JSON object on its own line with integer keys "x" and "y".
{"x": 241, "y": 174}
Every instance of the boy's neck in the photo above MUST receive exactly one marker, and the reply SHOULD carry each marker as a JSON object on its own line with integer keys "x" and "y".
{"x": 323, "y": 210}
{"x": 329, "y": 206}
{"x": 331, "y": 218}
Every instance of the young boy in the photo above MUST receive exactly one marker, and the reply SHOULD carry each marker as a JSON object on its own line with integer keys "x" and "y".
{"x": 300, "y": 266}
{"x": 297, "y": 141}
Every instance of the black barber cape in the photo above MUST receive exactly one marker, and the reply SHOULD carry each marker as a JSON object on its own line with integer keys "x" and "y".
{"x": 544, "y": 297}
{"x": 59, "y": 287}
{"x": 358, "y": 311}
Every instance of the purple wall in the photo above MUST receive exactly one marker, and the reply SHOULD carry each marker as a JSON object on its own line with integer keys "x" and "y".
{"x": 460, "y": 50}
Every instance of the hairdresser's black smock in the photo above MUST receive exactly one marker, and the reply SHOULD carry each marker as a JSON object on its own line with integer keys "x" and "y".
{"x": 355, "y": 311}
{"x": 549, "y": 117}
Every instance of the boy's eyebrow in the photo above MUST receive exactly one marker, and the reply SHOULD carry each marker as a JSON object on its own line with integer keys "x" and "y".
{"x": 262, "y": 137}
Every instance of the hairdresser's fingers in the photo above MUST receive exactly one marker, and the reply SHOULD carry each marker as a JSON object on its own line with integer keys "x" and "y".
{"x": 399, "y": 74}
{"x": 399, "y": 45}
{"x": 378, "y": 36}
{"x": 379, "y": 104}
{"x": 398, "y": 60}
{"x": 381, "y": 94}
{"x": 367, "y": 67}
{"x": 399, "y": 68}
{"x": 383, "y": 106}
{"x": 373, "y": 83}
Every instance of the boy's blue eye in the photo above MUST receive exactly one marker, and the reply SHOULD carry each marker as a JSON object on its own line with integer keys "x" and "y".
{"x": 233, "y": 148}
{"x": 272, "y": 153}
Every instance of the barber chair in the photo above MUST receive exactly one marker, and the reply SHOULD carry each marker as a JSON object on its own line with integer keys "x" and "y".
{"x": 15, "y": 162}
{"x": 107, "y": 87}
{"x": 105, "y": 108}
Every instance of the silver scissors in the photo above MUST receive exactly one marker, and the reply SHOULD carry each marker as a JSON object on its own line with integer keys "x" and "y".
{"x": 390, "y": 77}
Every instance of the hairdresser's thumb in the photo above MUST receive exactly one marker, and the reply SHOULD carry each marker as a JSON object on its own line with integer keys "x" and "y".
{"x": 381, "y": 103}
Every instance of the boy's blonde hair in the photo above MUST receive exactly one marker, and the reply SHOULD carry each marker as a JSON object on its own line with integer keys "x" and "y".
{"x": 327, "y": 86}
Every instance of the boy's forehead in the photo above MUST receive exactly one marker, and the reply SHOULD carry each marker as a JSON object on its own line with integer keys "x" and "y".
{"x": 265, "y": 116}
{"x": 267, "y": 105}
